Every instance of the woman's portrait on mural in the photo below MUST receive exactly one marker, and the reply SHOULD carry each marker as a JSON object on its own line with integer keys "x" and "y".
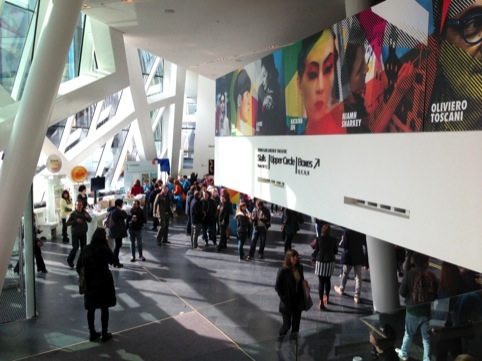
{"x": 316, "y": 76}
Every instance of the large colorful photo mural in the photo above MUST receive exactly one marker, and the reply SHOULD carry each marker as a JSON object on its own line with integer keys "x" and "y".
{"x": 454, "y": 70}
{"x": 382, "y": 70}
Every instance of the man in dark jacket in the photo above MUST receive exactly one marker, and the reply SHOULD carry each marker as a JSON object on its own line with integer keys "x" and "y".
{"x": 119, "y": 230}
{"x": 223, "y": 216}
{"x": 152, "y": 198}
{"x": 354, "y": 257}
{"x": 189, "y": 198}
{"x": 163, "y": 212}
{"x": 196, "y": 220}
{"x": 209, "y": 220}
{"x": 289, "y": 226}
{"x": 77, "y": 221}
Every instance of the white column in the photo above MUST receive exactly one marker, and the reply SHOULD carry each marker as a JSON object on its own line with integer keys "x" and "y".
{"x": 28, "y": 234}
{"x": 31, "y": 122}
{"x": 383, "y": 275}
{"x": 144, "y": 138}
{"x": 175, "y": 127}
{"x": 353, "y": 7}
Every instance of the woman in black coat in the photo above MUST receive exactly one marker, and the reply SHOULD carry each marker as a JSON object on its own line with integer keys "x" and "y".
{"x": 289, "y": 286}
{"x": 99, "y": 283}
{"x": 324, "y": 259}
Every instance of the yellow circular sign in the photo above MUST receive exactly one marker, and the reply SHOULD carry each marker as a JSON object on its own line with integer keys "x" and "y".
{"x": 78, "y": 174}
{"x": 54, "y": 163}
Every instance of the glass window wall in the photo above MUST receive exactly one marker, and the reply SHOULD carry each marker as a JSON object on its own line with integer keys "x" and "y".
{"x": 15, "y": 20}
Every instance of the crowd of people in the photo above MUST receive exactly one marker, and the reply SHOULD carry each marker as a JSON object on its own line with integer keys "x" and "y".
{"x": 211, "y": 215}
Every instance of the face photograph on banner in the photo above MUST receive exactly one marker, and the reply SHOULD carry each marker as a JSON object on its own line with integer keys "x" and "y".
{"x": 271, "y": 112}
{"x": 243, "y": 103}
{"x": 454, "y": 96}
{"x": 310, "y": 76}
{"x": 381, "y": 82}
{"x": 223, "y": 124}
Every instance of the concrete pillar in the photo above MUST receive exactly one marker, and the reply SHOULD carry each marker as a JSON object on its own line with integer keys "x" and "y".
{"x": 32, "y": 120}
{"x": 353, "y": 7}
{"x": 28, "y": 235}
{"x": 175, "y": 121}
{"x": 383, "y": 275}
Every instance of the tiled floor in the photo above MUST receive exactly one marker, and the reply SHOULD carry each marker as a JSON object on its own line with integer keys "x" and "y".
{"x": 182, "y": 304}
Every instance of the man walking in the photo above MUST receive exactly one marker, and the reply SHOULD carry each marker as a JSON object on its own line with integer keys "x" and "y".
{"x": 261, "y": 218}
{"x": 353, "y": 257}
{"x": 196, "y": 220}
{"x": 77, "y": 221}
{"x": 163, "y": 212}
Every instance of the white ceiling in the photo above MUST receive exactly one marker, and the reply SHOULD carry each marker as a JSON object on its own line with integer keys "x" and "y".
{"x": 215, "y": 37}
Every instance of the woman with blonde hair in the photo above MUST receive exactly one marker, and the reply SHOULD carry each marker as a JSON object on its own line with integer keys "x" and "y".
{"x": 66, "y": 207}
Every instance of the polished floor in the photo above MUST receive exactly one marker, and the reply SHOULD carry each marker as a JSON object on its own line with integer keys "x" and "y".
{"x": 182, "y": 304}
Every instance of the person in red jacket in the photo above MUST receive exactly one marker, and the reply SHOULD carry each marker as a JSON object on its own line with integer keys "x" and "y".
{"x": 137, "y": 188}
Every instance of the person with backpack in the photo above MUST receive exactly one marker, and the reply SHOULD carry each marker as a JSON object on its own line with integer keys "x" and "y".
{"x": 419, "y": 287}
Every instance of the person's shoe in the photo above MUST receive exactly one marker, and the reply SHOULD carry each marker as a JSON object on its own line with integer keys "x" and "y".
{"x": 218, "y": 249}
{"x": 166, "y": 242}
{"x": 400, "y": 356}
{"x": 247, "y": 258}
{"x": 70, "y": 263}
{"x": 133, "y": 259}
{"x": 326, "y": 300}
{"x": 357, "y": 299}
{"x": 142, "y": 258}
{"x": 261, "y": 256}
{"x": 198, "y": 248}
{"x": 119, "y": 265}
{"x": 94, "y": 336}
{"x": 42, "y": 271}
{"x": 339, "y": 290}
{"x": 321, "y": 305}
{"x": 106, "y": 336}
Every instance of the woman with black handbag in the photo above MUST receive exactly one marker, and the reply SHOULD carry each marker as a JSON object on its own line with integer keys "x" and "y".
{"x": 99, "y": 283}
{"x": 289, "y": 286}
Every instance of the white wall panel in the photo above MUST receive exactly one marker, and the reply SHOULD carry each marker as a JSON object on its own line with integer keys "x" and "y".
{"x": 436, "y": 177}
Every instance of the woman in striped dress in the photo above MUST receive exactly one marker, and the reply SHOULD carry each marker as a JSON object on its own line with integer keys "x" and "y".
{"x": 324, "y": 259}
